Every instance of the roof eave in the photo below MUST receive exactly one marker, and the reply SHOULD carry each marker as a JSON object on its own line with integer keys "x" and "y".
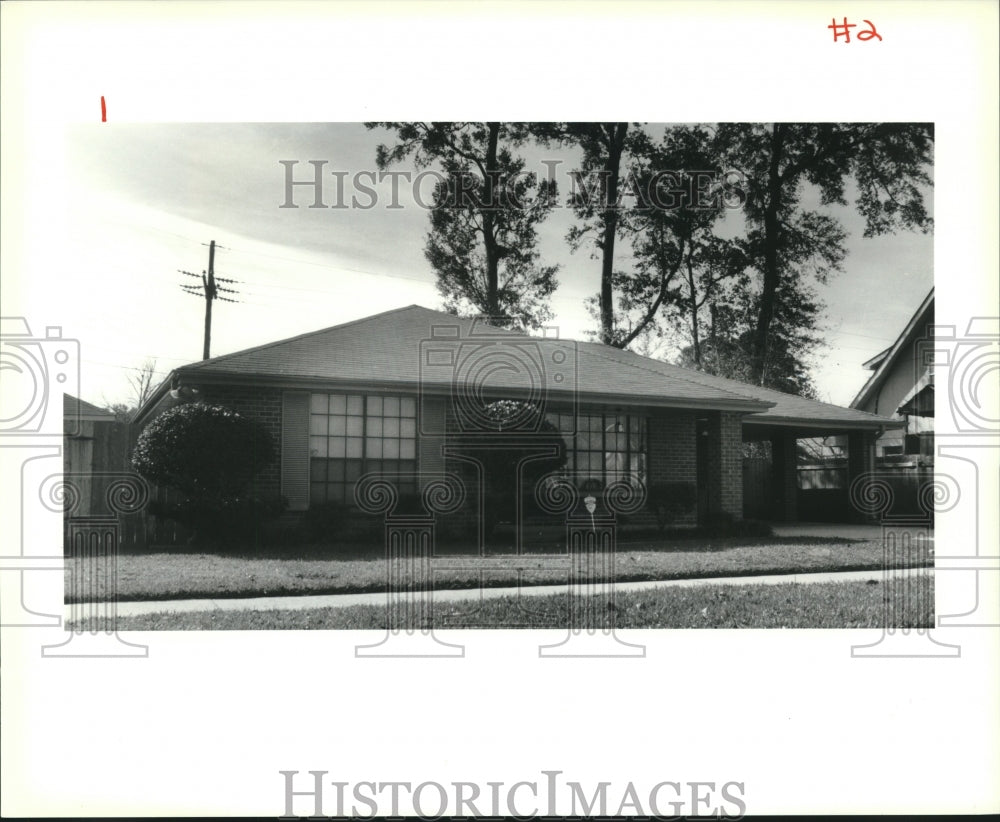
{"x": 735, "y": 404}
{"x": 157, "y": 394}
{"x": 806, "y": 422}
{"x": 889, "y": 358}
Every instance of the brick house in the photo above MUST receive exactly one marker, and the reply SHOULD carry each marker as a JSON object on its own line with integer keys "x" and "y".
{"x": 397, "y": 393}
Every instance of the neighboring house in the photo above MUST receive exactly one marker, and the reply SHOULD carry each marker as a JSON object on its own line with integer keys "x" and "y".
{"x": 396, "y": 392}
{"x": 95, "y": 444}
{"x": 902, "y": 386}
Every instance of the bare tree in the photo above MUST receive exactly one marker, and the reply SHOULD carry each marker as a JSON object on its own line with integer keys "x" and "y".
{"x": 141, "y": 382}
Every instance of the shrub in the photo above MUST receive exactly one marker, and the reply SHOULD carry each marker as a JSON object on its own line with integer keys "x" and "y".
{"x": 204, "y": 451}
{"x": 211, "y": 455}
{"x": 724, "y": 524}
{"x": 234, "y": 521}
{"x": 668, "y": 500}
{"x": 331, "y": 523}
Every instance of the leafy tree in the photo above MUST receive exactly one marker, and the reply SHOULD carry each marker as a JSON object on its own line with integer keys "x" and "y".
{"x": 604, "y": 146}
{"x": 727, "y": 349}
{"x": 679, "y": 261}
{"x": 483, "y": 237}
{"x": 122, "y": 411}
{"x": 889, "y": 162}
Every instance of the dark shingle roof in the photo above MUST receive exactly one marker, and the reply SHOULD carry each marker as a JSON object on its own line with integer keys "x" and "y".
{"x": 74, "y": 406}
{"x": 396, "y": 348}
{"x": 785, "y": 407}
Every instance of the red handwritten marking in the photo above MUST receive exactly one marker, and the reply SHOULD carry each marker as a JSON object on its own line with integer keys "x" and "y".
{"x": 104, "y": 111}
{"x": 844, "y": 30}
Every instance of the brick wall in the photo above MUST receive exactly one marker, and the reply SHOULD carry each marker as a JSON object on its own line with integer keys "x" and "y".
{"x": 263, "y": 404}
{"x": 672, "y": 453}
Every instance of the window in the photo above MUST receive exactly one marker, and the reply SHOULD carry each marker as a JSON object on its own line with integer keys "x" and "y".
{"x": 605, "y": 447}
{"x": 351, "y": 435}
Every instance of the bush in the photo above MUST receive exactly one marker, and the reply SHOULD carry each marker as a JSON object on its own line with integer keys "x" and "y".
{"x": 668, "y": 500}
{"x": 724, "y": 524}
{"x": 211, "y": 455}
{"x": 333, "y": 523}
{"x": 206, "y": 452}
{"x": 234, "y": 521}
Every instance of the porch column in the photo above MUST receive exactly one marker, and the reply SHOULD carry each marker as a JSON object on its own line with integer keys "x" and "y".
{"x": 724, "y": 464}
{"x": 860, "y": 458}
{"x": 784, "y": 464}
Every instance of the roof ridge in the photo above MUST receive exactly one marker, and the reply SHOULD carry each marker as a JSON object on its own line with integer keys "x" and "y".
{"x": 348, "y": 324}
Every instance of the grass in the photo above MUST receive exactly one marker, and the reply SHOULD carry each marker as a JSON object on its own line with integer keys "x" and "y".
{"x": 786, "y": 605}
{"x": 189, "y": 575}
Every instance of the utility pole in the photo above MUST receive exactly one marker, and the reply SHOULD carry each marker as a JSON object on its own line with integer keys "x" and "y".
{"x": 210, "y": 295}
{"x": 210, "y": 291}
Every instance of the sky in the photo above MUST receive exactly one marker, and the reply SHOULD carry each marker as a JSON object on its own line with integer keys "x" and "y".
{"x": 142, "y": 201}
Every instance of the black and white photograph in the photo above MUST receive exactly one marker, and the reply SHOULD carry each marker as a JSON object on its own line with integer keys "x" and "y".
{"x": 624, "y": 387}
{"x": 633, "y": 356}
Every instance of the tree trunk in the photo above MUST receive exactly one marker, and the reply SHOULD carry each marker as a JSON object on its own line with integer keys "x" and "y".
{"x": 615, "y": 135}
{"x": 695, "y": 341}
{"x": 770, "y": 271}
{"x": 489, "y": 236}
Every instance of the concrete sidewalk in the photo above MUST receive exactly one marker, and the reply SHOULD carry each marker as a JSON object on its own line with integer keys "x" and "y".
{"x": 300, "y": 603}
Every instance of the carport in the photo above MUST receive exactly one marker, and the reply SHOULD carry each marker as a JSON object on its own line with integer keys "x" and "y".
{"x": 773, "y": 492}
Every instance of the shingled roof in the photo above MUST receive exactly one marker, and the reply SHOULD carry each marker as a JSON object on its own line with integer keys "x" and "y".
{"x": 76, "y": 407}
{"x": 397, "y": 349}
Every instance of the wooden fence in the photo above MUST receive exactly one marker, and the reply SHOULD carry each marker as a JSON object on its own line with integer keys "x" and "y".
{"x": 824, "y": 491}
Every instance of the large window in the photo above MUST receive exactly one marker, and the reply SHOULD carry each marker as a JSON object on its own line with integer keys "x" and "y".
{"x": 605, "y": 447}
{"x": 351, "y": 435}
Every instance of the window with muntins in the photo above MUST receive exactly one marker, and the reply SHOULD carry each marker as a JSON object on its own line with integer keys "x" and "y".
{"x": 355, "y": 434}
{"x": 604, "y": 447}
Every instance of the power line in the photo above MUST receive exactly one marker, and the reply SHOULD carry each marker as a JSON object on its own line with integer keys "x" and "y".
{"x": 330, "y": 266}
{"x": 210, "y": 291}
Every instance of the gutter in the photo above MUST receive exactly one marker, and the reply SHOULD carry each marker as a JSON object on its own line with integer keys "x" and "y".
{"x": 881, "y": 425}
{"x": 191, "y": 378}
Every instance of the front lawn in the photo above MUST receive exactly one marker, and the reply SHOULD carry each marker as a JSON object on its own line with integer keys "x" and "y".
{"x": 181, "y": 575}
{"x": 786, "y": 605}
